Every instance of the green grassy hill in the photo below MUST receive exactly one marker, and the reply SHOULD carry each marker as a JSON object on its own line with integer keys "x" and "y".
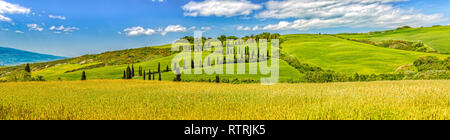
{"x": 436, "y": 37}
{"x": 310, "y": 52}
{"x": 341, "y": 55}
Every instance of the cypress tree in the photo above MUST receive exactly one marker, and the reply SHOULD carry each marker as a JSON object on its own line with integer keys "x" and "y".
{"x": 132, "y": 71}
{"x": 128, "y": 72}
{"x": 83, "y": 76}
{"x": 159, "y": 77}
{"x": 159, "y": 67}
{"x": 124, "y": 75}
{"x": 178, "y": 78}
{"x": 167, "y": 68}
{"x": 192, "y": 64}
{"x": 217, "y": 79}
{"x": 27, "y": 68}
{"x": 144, "y": 75}
{"x": 154, "y": 76}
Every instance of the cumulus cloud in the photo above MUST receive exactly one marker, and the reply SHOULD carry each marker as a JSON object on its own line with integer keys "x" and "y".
{"x": 205, "y": 28}
{"x": 247, "y": 28}
{"x": 173, "y": 28}
{"x": 9, "y": 8}
{"x": 139, "y": 31}
{"x": 57, "y": 17}
{"x": 34, "y": 27}
{"x": 219, "y": 8}
{"x": 62, "y": 29}
{"x": 316, "y": 14}
{"x": 158, "y": 0}
{"x": 19, "y": 32}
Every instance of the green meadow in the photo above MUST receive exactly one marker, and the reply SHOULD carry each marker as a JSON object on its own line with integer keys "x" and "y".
{"x": 341, "y": 55}
{"x": 436, "y": 37}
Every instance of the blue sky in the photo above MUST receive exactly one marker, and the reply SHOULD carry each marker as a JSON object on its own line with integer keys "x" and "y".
{"x": 77, "y": 27}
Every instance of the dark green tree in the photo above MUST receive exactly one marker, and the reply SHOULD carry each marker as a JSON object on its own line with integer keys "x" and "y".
{"x": 129, "y": 76}
{"x": 144, "y": 75}
{"x": 132, "y": 71}
{"x": 217, "y": 79}
{"x": 159, "y": 67}
{"x": 27, "y": 68}
{"x": 83, "y": 76}
{"x": 124, "y": 75}
{"x": 159, "y": 77}
{"x": 167, "y": 68}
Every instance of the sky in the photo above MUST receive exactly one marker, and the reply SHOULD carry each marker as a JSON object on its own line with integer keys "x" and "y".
{"x": 73, "y": 28}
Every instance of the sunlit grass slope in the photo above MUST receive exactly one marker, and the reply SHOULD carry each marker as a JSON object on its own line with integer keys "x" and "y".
{"x": 435, "y": 37}
{"x": 341, "y": 55}
{"x": 137, "y": 99}
{"x": 287, "y": 73}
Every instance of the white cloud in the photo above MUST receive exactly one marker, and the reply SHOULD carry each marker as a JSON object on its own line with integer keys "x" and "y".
{"x": 247, "y": 28}
{"x": 9, "y": 8}
{"x": 219, "y": 8}
{"x": 5, "y": 29}
{"x": 138, "y": 30}
{"x": 57, "y": 17}
{"x": 34, "y": 27}
{"x": 19, "y": 32}
{"x": 173, "y": 28}
{"x": 158, "y": 0}
{"x": 205, "y": 28}
{"x": 61, "y": 29}
{"x": 316, "y": 14}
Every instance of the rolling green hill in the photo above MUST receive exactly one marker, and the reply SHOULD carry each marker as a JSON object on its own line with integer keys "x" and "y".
{"x": 301, "y": 53}
{"x": 341, "y": 55}
{"x": 436, "y": 37}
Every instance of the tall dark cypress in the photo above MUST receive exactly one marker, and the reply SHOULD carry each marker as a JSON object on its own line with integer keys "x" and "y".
{"x": 217, "y": 79}
{"x": 154, "y": 76}
{"x": 167, "y": 68}
{"x": 178, "y": 78}
{"x": 192, "y": 64}
{"x": 159, "y": 67}
{"x": 83, "y": 76}
{"x": 159, "y": 76}
{"x": 27, "y": 68}
{"x": 124, "y": 75}
{"x": 128, "y": 72}
{"x": 144, "y": 75}
{"x": 132, "y": 71}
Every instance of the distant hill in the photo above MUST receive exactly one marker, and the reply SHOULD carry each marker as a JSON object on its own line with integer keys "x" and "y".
{"x": 10, "y": 57}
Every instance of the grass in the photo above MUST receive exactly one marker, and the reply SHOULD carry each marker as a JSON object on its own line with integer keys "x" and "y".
{"x": 136, "y": 99}
{"x": 435, "y": 37}
{"x": 341, "y": 55}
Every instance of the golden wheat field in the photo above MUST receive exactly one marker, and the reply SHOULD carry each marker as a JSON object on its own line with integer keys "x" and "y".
{"x": 151, "y": 100}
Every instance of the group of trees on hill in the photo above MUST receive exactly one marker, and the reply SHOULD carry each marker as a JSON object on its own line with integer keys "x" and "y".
{"x": 266, "y": 35}
{"x": 129, "y": 73}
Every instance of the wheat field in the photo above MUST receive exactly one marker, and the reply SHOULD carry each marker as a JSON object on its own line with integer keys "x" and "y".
{"x": 153, "y": 100}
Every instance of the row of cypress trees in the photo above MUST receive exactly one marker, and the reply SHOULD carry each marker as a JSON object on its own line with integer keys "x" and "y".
{"x": 129, "y": 73}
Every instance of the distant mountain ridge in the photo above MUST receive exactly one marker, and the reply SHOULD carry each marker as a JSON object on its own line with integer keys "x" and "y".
{"x": 11, "y": 57}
